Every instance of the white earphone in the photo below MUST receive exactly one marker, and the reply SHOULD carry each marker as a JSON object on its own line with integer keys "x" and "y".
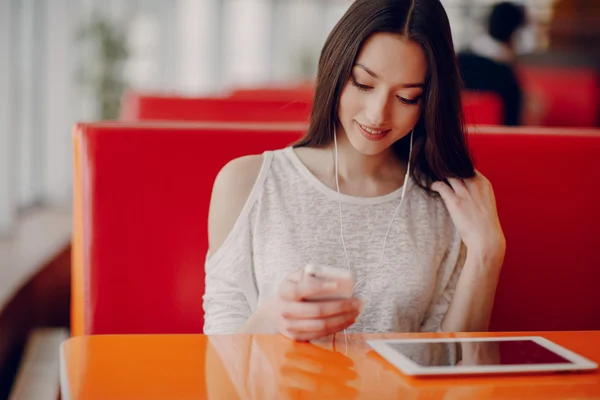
{"x": 337, "y": 186}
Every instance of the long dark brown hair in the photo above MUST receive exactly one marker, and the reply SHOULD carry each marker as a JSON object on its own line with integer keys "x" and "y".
{"x": 440, "y": 150}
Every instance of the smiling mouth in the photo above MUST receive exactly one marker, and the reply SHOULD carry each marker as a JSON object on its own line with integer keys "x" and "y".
{"x": 371, "y": 133}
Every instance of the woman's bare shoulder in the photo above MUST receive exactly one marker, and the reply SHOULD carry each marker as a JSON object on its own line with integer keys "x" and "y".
{"x": 230, "y": 192}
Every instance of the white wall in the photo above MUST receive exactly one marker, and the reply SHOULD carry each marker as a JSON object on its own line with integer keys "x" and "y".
{"x": 27, "y": 129}
{"x": 58, "y": 114}
{"x": 247, "y": 43}
{"x": 198, "y": 46}
{"x": 6, "y": 154}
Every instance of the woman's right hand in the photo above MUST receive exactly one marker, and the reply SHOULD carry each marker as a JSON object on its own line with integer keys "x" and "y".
{"x": 303, "y": 320}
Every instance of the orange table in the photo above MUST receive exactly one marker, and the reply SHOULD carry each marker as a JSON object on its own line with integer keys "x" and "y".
{"x": 273, "y": 367}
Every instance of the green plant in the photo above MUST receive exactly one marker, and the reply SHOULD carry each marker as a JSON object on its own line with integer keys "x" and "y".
{"x": 103, "y": 72}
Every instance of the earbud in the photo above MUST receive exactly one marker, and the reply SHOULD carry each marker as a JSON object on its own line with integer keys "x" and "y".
{"x": 337, "y": 185}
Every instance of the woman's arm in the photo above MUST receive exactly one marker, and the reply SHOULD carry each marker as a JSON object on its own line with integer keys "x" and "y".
{"x": 472, "y": 206}
{"x": 229, "y": 282}
{"x": 261, "y": 322}
{"x": 231, "y": 294}
{"x": 471, "y": 305}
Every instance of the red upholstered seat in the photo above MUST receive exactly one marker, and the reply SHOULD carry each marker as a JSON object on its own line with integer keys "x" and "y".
{"x": 140, "y": 107}
{"x": 561, "y": 96}
{"x": 141, "y": 203}
{"x": 299, "y": 93}
{"x": 482, "y": 108}
{"x": 269, "y": 105}
{"x": 544, "y": 180}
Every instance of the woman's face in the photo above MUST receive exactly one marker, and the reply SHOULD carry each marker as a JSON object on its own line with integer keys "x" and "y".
{"x": 381, "y": 103}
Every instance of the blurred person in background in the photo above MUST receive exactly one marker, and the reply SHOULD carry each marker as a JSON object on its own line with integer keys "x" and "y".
{"x": 488, "y": 65}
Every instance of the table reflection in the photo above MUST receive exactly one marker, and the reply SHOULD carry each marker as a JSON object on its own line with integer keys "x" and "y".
{"x": 479, "y": 353}
{"x": 273, "y": 366}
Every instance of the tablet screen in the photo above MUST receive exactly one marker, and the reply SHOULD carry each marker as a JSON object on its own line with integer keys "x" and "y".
{"x": 451, "y": 353}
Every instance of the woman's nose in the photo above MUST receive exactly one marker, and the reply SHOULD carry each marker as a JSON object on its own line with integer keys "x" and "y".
{"x": 376, "y": 109}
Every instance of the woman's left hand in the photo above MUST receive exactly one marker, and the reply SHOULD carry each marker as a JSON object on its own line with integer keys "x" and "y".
{"x": 472, "y": 207}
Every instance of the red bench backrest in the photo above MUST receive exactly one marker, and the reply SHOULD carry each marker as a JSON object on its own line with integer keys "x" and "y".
{"x": 139, "y": 107}
{"x": 561, "y": 96}
{"x": 482, "y": 108}
{"x": 269, "y": 105}
{"x": 141, "y": 204}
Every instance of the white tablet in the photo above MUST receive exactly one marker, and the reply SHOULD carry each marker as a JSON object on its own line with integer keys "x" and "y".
{"x": 485, "y": 355}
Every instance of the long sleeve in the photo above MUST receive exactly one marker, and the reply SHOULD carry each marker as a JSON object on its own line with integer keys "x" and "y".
{"x": 447, "y": 279}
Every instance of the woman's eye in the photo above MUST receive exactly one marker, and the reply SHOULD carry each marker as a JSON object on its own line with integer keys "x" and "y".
{"x": 360, "y": 86}
{"x": 364, "y": 88}
{"x": 409, "y": 101}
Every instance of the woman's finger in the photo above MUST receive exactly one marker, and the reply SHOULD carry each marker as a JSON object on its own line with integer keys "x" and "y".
{"x": 296, "y": 276}
{"x": 459, "y": 187}
{"x": 297, "y": 291}
{"x": 481, "y": 190}
{"x": 322, "y": 326}
{"x": 318, "y": 309}
{"x": 445, "y": 191}
{"x": 302, "y": 336}
{"x": 474, "y": 188}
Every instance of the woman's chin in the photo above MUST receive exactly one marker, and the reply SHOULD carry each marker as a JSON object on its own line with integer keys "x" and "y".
{"x": 367, "y": 147}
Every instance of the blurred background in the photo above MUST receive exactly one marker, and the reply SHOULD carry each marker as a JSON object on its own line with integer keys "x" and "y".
{"x": 63, "y": 61}
{"x": 69, "y": 60}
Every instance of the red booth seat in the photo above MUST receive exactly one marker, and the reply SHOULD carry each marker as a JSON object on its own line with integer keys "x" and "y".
{"x": 268, "y": 105}
{"x": 482, "y": 108}
{"x": 141, "y": 203}
{"x": 548, "y": 204}
{"x": 303, "y": 92}
{"x": 140, "y": 107}
{"x": 560, "y": 96}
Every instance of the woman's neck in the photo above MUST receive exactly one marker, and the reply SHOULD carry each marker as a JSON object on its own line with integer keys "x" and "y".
{"x": 355, "y": 166}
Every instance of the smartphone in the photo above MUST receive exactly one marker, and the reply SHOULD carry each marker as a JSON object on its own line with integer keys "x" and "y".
{"x": 343, "y": 278}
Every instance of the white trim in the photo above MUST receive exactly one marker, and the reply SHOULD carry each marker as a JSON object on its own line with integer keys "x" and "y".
{"x": 38, "y": 373}
{"x": 65, "y": 390}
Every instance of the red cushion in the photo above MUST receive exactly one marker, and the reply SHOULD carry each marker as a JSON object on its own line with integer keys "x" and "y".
{"x": 269, "y": 105}
{"x": 482, "y": 108}
{"x": 300, "y": 93}
{"x": 144, "y": 194}
{"x": 561, "y": 96}
{"x": 138, "y": 107}
{"x": 545, "y": 185}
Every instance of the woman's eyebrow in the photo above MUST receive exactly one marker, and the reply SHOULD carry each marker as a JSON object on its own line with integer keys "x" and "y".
{"x": 374, "y": 75}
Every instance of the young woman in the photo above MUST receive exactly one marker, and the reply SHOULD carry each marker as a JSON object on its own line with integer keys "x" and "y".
{"x": 382, "y": 184}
